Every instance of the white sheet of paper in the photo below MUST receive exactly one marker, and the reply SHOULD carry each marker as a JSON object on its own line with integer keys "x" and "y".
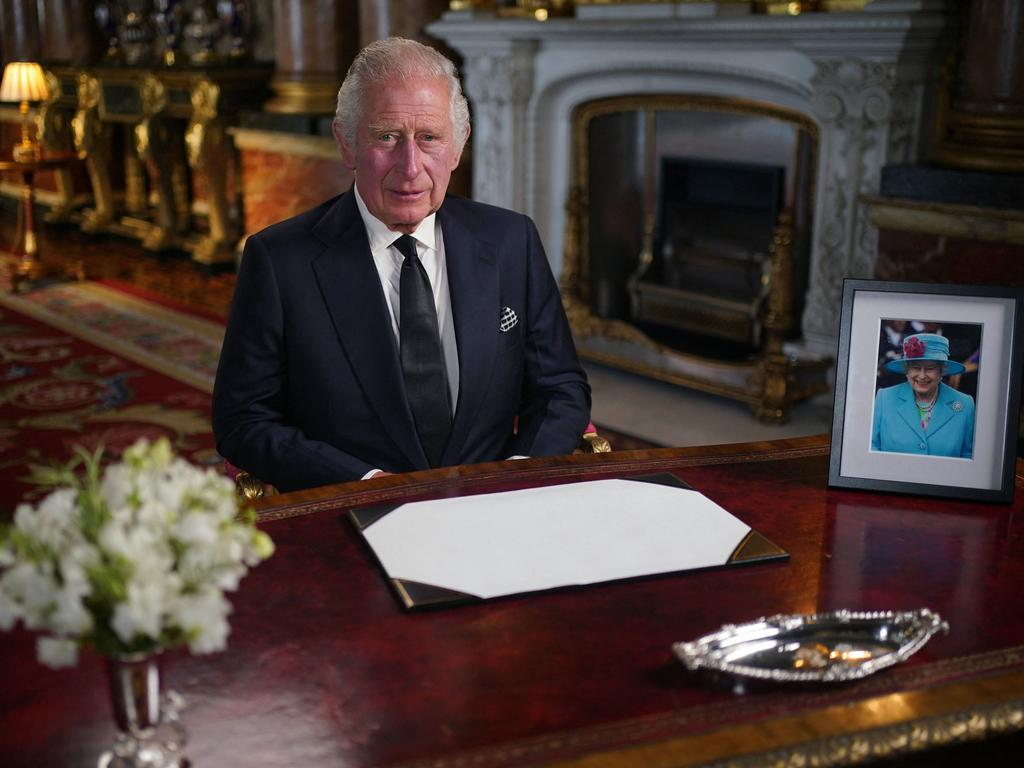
{"x": 497, "y": 544}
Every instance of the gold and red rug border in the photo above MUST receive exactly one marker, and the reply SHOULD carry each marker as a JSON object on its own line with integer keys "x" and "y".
{"x": 199, "y": 329}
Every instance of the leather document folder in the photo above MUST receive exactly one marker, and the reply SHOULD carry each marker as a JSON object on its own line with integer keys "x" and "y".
{"x": 468, "y": 548}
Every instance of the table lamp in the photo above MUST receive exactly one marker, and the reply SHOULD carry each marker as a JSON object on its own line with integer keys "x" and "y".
{"x": 24, "y": 82}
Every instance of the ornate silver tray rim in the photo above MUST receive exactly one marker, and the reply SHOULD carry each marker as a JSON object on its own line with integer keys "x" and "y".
{"x": 714, "y": 651}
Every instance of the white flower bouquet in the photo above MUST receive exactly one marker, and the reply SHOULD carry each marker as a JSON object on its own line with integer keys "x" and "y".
{"x": 131, "y": 559}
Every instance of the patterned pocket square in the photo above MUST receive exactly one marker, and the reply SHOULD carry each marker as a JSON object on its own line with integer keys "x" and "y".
{"x": 508, "y": 320}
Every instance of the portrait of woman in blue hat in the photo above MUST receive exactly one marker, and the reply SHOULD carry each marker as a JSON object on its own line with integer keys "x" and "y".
{"x": 923, "y": 414}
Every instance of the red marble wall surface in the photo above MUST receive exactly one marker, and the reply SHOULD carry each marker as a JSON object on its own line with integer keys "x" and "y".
{"x": 930, "y": 258}
{"x": 276, "y": 186}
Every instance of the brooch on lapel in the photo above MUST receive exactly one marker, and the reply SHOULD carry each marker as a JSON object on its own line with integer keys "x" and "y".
{"x": 957, "y": 406}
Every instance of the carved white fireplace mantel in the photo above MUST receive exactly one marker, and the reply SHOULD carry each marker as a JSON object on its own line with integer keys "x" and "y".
{"x": 861, "y": 77}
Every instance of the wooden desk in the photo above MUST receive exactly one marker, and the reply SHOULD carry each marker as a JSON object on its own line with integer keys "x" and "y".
{"x": 325, "y": 669}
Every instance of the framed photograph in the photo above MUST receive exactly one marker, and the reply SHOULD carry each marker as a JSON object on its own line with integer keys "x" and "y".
{"x": 928, "y": 387}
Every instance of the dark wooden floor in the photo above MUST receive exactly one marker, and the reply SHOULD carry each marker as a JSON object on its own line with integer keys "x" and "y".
{"x": 172, "y": 274}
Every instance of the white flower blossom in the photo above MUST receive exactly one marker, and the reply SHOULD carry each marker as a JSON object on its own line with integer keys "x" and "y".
{"x": 75, "y": 562}
{"x": 116, "y": 486}
{"x": 57, "y": 652}
{"x": 33, "y": 587}
{"x": 203, "y": 616}
{"x": 9, "y": 613}
{"x": 149, "y": 554}
{"x": 69, "y": 615}
{"x": 140, "y": 613}
{"x": 197, "y": 529}
{"x": 51, "y": 522}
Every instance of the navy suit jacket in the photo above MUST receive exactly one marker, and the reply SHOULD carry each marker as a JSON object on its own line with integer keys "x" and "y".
{"x": 309, "y": 388}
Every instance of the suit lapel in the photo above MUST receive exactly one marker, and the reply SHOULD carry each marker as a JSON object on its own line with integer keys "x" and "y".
{"x": 474, "y": 289}
{"x": 351, "y": 290}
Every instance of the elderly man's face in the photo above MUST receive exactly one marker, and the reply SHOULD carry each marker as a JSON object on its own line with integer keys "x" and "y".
{"x": 405, "y": 151}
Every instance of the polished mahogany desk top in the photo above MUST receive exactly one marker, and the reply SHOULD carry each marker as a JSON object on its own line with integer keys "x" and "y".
{"x": 325, "y": 668}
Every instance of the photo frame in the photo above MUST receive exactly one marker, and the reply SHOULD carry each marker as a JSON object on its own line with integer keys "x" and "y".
{"x": 901, "y": 419}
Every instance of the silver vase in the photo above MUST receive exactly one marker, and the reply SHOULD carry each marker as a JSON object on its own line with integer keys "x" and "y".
{"x": 149, "y": 732}
{"x": 135, "y": 692}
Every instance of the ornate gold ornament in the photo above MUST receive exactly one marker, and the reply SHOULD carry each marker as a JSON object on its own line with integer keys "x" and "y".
{"x": 156, "y": 147}
{"x": 209, "y": 155}
{"x": 92, "y": 143}
{"x": 249, "y": 487}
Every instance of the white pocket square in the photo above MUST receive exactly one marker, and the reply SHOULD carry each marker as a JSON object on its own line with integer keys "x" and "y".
{"x": 508, "y": 320}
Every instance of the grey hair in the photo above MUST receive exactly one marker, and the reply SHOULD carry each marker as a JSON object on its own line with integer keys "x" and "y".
{"x": 395, "y": 58}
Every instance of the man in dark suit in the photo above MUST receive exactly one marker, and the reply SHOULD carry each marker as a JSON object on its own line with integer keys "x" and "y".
{"x": 337, "y": 365}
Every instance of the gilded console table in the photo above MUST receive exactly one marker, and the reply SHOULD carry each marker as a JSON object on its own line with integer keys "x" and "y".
{"x": 53, "y": 122}
{"x": 176, "y": 149}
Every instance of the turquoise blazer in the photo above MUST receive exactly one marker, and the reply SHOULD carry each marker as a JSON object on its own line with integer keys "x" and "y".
{"x": 897, "y": 426}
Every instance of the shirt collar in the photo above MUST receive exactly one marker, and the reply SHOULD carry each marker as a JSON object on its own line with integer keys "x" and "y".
{"x": 381, "y": 237}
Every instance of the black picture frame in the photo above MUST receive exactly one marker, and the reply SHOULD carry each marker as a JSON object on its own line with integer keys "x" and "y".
{"x": 988, "y": 474}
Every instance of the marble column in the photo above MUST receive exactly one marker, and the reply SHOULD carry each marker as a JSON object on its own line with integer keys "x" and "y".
{"x": 402, "y": 18}
{"x": 499, "y": 80}
{"x": 68, "y": 31}
{"x": 314, "y": 42}
{"x": 19, "y": 30}
{"x": 984, "y": 125}
{"x": 867, "y": 112}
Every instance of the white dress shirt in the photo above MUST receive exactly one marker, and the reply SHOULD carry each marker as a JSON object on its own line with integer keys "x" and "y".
{"x": 388, "y": 260}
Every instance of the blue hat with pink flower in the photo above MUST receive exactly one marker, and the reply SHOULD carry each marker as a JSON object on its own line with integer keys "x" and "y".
{"x": 926, "y": 347}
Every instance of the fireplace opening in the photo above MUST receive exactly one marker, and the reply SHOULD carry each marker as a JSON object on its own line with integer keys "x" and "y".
{"x": 711, "y": 252}
{"x": 684, "y": 200}
{"x": 688, "y": 242}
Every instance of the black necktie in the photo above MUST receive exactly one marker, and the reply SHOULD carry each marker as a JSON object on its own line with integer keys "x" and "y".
{"x": 426, "y": 379}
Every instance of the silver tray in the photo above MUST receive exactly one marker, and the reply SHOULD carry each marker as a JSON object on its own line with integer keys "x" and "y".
{"x": 820, "y": 647}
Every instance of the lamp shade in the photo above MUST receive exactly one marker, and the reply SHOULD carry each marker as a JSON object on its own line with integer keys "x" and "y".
{"x": 23, "y": 81}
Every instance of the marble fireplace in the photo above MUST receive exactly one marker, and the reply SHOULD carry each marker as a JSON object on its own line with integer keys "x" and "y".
{"x": 860, "y": 81}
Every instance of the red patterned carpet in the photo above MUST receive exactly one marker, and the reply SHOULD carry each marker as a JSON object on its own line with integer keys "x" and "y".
{"x": 90, "y": 363}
